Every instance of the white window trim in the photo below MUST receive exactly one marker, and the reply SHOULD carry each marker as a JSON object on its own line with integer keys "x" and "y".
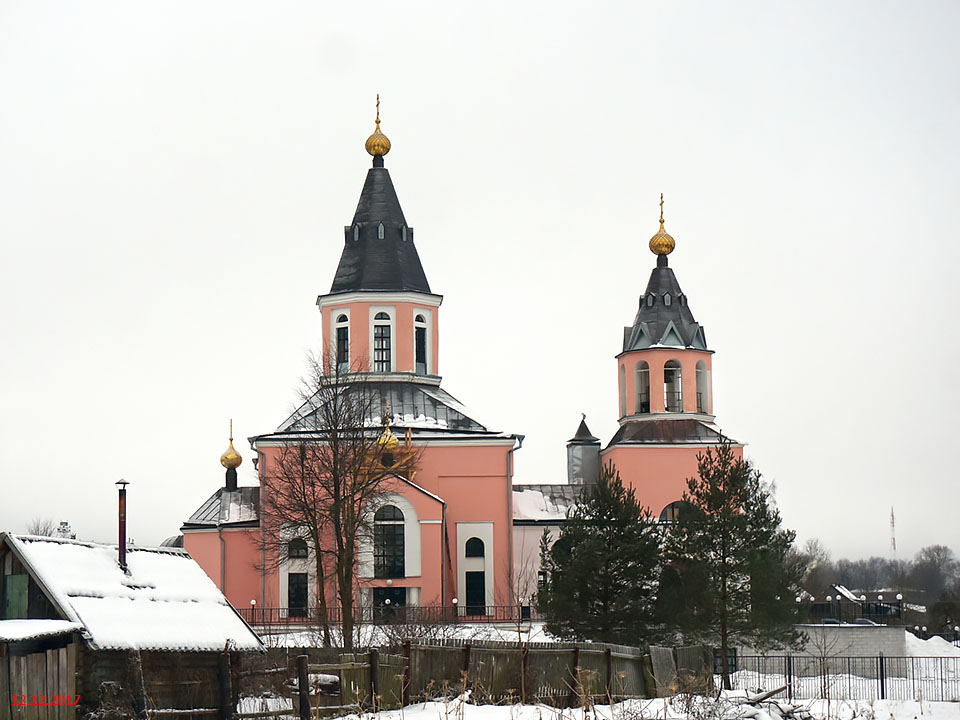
{"x": 390, "y": 310}
{"x": 484, "y": 531}
{"x": 428, "y": 316}
{"x": 411, "y": 537}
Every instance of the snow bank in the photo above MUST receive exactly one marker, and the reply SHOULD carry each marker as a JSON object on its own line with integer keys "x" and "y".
{"x": 934, "y": 647}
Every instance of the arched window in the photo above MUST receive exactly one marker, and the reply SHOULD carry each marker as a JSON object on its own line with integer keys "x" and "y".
{"x": 343, "y": 343}
{"x": 297, "y": 549}
{"x": 380, "y": 231}
{"x": 650, "y": 300}
{"x": 671, "y": 513}
{"x": 388, "y": 549}
{"x": 643, "y": 387}
{"x": 667, "y": 300}
{"x": 703, "y": 388}
{"x": 381, "y": 343}
{"x": 673, "y": 386}
{"x": 420, "y": 344}
{"x": 623, "y": 391}
{"x": 474, "y": 548}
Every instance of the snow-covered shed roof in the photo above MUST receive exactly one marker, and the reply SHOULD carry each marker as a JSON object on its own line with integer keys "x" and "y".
{"x": 20, "y": 630}
{"x": 164, "y": 602}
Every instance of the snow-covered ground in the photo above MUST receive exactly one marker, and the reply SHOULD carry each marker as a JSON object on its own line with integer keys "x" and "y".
{"x": 730, "y": 707}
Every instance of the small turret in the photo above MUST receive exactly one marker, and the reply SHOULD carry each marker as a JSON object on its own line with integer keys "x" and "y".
{"x": 583, "y": 456}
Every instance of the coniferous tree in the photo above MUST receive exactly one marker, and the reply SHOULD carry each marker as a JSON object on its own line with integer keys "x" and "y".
{"x": 729, "y": 574}
{"x": 602, "y": 570}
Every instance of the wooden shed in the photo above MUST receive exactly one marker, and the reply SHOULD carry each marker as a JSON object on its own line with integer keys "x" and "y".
{"x": 79, "y": 631}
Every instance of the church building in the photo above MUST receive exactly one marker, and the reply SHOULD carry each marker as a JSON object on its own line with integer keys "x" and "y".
{"x": 452, "y": 528}
{"x": 443, "y": 533}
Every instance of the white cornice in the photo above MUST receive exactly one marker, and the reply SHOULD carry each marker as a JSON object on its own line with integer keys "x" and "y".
{"x": 675, "y": 348}
{"x": 645, "y": 417}
{"x": 379, "y": 297}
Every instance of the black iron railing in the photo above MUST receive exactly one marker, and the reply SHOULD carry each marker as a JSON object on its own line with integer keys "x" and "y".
{"x": 847, "y": 611}
{"x": 379, "y": 614}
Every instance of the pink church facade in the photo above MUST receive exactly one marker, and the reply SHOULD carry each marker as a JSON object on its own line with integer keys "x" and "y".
{"x": 458, "y": 531}
{"x": 442, "y": 537}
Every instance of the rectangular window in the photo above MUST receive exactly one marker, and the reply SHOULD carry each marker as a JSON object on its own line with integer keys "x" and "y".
{"x": 297, "y": 594}
{"x": 381, "y": 348}
{"x": 421, "y": 342}
{"x": 343, "y": 349}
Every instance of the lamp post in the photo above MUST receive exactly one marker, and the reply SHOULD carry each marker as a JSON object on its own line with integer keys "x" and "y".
{"x": 253, "y": 609}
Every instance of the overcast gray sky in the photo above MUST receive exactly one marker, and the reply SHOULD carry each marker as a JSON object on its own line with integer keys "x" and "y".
{"x": 175, "y": 176}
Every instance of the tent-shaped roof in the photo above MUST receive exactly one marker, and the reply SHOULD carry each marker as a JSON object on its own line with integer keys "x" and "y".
{"x": 378, "y": 250}
{"x": 664, "y": 317}
{"x": 166, "y": 602}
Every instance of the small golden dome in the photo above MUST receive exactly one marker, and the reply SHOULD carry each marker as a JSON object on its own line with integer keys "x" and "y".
{"x": 231, "y": 458}
{"x": 387, "y": 440}
{"x": 378, "y": 143}
{"x": 662, "y": 243}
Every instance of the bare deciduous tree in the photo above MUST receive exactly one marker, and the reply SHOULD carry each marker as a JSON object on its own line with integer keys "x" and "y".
{"x": 333, "y": 461}
{"x": 42, "y": 526}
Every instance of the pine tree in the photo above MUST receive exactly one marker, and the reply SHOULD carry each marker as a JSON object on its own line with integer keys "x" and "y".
{"x": 729, "y": 577}
{"x": 602, "y": 570}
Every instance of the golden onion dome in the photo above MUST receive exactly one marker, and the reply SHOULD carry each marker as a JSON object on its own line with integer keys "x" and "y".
{"x": 662, "y": 243}
{"x": 387, "y": 440}
{"x": 231, "y": 458}
{"x": 378, "y": 143}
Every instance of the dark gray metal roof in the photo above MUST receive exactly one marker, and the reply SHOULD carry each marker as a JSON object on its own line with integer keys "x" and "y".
{"x": 583, "y": 436}
{"x": 660, "y": 323}
{"x": 228, "y": 507}
{"x": 672, "y": 432}
{"x": 370, "y": 262}
{"x": 412, "y": 405}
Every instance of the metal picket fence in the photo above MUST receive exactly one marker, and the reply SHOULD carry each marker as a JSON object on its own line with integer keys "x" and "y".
{"x": 852, "y": 678}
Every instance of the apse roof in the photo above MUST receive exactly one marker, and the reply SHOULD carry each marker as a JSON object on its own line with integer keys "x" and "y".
{"x": 378, "y": 250}
{"x": 664, "y": 317}
{"x": 227, "y": 507}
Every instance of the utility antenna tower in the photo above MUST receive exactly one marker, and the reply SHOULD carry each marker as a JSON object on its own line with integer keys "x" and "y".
{"x": 893, "y": 534}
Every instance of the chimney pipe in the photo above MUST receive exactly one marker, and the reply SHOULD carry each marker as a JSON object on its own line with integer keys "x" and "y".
{"x": 122, "y": 515}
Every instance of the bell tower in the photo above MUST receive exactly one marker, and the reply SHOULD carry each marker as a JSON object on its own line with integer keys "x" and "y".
{"x": 665, "y": 383}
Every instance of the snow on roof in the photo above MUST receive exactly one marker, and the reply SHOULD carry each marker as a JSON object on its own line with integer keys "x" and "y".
{"x": 166, "y": 602}
{"x": 544, "y": 502}
{"x": 17, "y": 630}
{"x": 846, "y": 593}
{"x": 226, "y": 507}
